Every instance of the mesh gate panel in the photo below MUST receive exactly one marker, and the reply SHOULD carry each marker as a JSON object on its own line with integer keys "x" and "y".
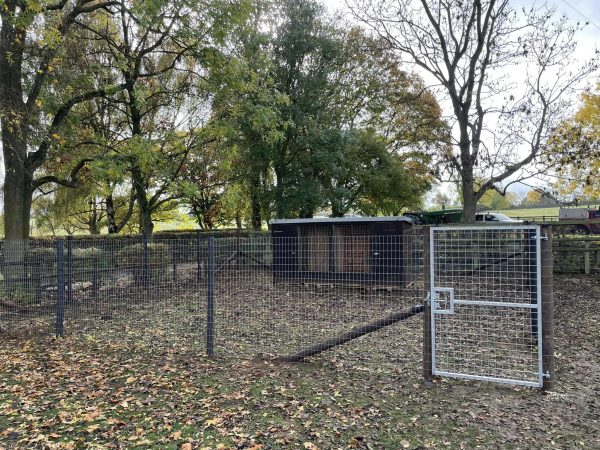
{"x": 486, "y": 291}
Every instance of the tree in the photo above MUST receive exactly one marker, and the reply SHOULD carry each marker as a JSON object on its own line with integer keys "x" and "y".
{"x": 468, "y": 48}
{"x": 533, "y": 198}
{"x": 208, "y": 175}
{"x": 92, "y": 206}
{"x": 576, "y": 145}
{"x": 359, "y": 174}
{"x": 496, "y": 200}
{"x": 151, "y": 56}
{"x": 329, "y": 116}
{"x": 70, "y": 209}
{"x": 35, "y": 100}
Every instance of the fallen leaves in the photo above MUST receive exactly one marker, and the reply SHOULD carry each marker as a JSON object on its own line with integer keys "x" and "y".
{"x": 73, "y": 393}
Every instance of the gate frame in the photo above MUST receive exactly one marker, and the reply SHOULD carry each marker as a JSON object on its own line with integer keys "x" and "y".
{"x": 544, "y": 305}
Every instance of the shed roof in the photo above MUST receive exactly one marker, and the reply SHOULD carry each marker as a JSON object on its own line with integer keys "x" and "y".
{"x": 342, "y": 220}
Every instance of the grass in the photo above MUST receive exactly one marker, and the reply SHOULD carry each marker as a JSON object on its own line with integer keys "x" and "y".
{"x": 536, "y": 212}
{"x": 531, "y": 212}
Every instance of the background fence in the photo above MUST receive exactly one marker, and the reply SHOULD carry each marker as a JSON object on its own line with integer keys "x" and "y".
{"x": 577, "y": 254}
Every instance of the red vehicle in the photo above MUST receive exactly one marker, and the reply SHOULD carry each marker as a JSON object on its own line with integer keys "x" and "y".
{"x": 582, "y": 214}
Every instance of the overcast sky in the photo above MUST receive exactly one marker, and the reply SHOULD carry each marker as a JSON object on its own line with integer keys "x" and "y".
{"x": 575, "y": 10}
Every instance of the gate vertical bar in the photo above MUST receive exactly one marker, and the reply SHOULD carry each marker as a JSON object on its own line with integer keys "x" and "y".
{"x": 547, "y": 309}
{"x": 532, "y": 247}
{"x": 427, "y": 316}
{"x": 60, "y": 288}
{"x": 69, "y": 270}
{"x": 210, "y": 306}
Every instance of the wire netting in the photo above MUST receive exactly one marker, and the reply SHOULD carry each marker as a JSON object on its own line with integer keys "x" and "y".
{"x": 269, "y": 296}
{"x": 490, "y": 327}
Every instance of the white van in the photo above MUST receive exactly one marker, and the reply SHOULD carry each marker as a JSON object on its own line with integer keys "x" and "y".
{"x": 495, "y": 217}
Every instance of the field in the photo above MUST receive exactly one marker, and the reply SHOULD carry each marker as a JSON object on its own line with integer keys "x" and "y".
{"x": 538, "y": 213}
{"x": 97, "y": 392}
{"x": 531, "y": 212}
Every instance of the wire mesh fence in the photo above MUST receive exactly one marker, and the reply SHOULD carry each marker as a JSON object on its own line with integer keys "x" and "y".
{"x": 282, "y": 295}
{"x": 291, "y": 298}
{"x": 28, "y": 289}
{"x": 233, "y": 296}
{"x": 486, "y": 288}
{"x": 111, "y": 287}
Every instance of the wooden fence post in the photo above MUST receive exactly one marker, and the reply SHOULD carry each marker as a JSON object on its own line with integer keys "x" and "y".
{"x": 586, "y": 258}
{"x": 532, "y": 271}
{"x": 427, "y": 342}
{"x": 547, "y": 309}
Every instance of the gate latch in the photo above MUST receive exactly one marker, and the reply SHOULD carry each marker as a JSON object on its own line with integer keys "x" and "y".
{"x": 442, "y": 300}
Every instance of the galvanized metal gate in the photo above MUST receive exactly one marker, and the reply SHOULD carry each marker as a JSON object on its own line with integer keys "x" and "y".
{"x": 485, "y": 291}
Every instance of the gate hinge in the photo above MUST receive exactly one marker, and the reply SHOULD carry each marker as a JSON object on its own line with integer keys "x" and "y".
{"x": 542, "y": 238}
{"x": 546, "y": 374}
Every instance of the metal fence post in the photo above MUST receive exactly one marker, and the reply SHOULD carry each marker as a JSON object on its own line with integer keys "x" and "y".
{"x": 69, "y": 270}
{"x": 60, "y": 288}
{"x": 37, "y": 280}
{"x": 547, "y": 309}
{"x": 198, "y": 258}
{"x": 427, "y": 340}
{"x": 210, "y": 306}
{"x": 145, "y": 270}
{"x": 174, "y": 255}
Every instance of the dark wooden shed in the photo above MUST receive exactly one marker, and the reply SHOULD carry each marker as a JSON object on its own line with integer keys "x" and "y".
{"x": 345, "y": 249}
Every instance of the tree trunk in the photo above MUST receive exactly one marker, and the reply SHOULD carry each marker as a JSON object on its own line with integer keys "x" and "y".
{"x": 255, "y": 204}
{"x": 280, "y": 204}
{"x": 208, "y": 219}
{"x": 17, "y": 194}
{"x": 145, "y": 217}
{"x": 17, "y": 209}
{"x": 352, "y": 334}
{"x": 13, "y": 116}
{"x": 110, "y": 215}
{"x": 336, "y": 208}
{"x": 469, "y": 202}
{"x": 468, "y": 180}
{"x": 93, "y": 228}
{"x": 146, "y": 224}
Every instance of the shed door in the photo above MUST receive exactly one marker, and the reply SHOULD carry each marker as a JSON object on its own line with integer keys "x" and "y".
{"x": 285, "y": 248}
{"x": 386, "y": 255}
